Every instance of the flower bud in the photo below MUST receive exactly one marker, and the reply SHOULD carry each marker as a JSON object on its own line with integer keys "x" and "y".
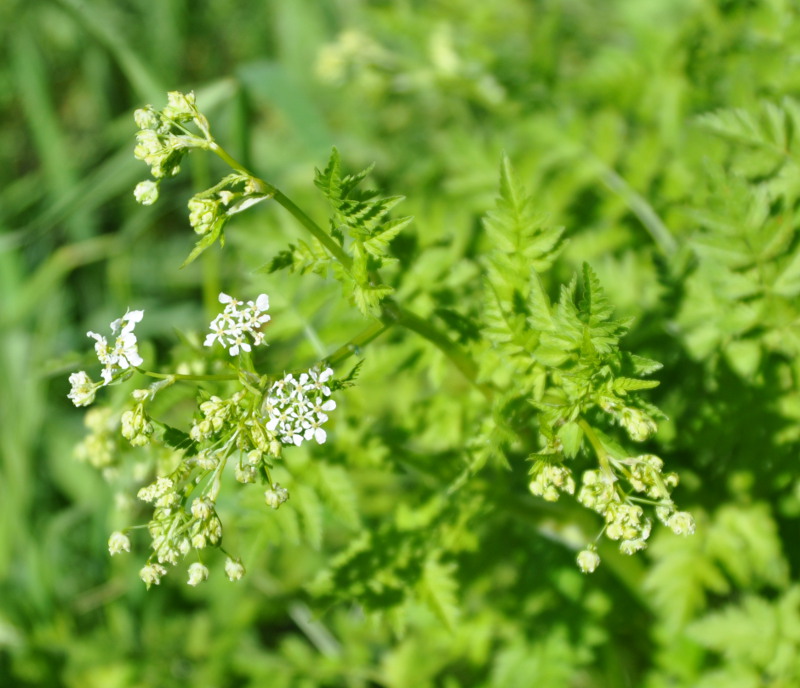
{"x": 118, "y": 542}
{"x": 276, "y": 496}
{"x": 202, "y": 508}
{"x": 234, "y": 569}
{"x": 639, "y": 425}
{"x": 197, "y": 573}
{"x": 681, "y": 523}
{"x": 588, "y": 560}
{"x": 83, "y": 389}
{"x": 152, "y": 574}
{"x": 146, "y": 192}
{"x": 203, "y": 213}
{"x": 145, "y": 118}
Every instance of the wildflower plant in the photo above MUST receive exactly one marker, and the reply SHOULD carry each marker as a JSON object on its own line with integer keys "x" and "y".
{"x": 555, "y": 384}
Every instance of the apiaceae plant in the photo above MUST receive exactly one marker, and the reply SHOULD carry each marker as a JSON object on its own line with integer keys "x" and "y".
{"x": 552, "y": 375}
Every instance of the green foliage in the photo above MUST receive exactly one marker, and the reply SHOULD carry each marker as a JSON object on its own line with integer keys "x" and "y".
{"x": 494, "y": 356}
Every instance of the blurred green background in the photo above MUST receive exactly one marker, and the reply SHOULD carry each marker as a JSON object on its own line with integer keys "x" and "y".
{"x": 596, "y": 105}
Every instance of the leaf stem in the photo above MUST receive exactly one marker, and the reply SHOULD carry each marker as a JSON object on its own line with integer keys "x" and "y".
{"x": 599, "y": 449}
{"x": 320, "y": 234}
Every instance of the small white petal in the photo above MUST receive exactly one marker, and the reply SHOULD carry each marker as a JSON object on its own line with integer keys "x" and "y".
{"x": 320, "y": 435}
{"x": 262, "y": 302}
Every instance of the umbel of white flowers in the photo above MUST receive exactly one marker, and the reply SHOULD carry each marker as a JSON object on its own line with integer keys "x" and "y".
{"x": 124, "y": 354}
{"x": 231, "y": 327}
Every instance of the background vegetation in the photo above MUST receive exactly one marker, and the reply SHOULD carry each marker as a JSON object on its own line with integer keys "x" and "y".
{"x": 663, "y": 136}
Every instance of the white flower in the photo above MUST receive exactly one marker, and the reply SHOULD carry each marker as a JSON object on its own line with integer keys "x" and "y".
{"x": 234, "y": 569}
{"x": 295, "y": 409}
{"x": 318, "y": 381}
{"x": 197, "y": 573}
{"x": 124, "y": 354}
{"x": 232, "y": 327}
{"x": 118, "y": 542}
{"x": 83, "y": 389}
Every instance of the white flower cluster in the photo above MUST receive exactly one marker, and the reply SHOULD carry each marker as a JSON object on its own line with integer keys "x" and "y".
{"x": 124, "y": 354}
{"x": 231, "y": 326}
{"x": 297, "y": 408}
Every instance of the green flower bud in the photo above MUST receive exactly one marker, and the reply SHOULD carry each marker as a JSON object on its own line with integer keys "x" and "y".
{"x": 639, "y": 425}
{"x": 276, "y": 496}
{"x": 146, "y": 118}
{"x": 203, "y": 213}
{"x": 234, "y": 569}
{"x": 588, "y": 560}
{"x": 146, "y": 192}
{"x": 180, "y": 106}
{"x": 118, "y": 542}
{"x": 197, "y": 573}
{"x": 681, "y": 523}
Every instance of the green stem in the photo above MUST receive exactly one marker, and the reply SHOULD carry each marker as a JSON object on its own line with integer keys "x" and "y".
{"x": 178, "y": 376}
{"x": 320, "y": 234}
{"x": 440, "y": 340}
{"x": 391, "y": 313}
{"x": 597, "y": 445}
{"x": 344, "y": 352}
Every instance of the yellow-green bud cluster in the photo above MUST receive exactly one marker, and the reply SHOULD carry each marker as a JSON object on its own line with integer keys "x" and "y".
{"x": 679, "y": 522}
{"x": 136, "y": 428}
{"x": 161, "y": 493}
{"x": 234, "y": 569}
{"x": 548, "y": 479}
{"x": 639, "y": 425}
{"x": 276, "y": 496}
{"x": 163, "y": 140}
{"x": 197, "y": 574}
{"x": 625, "y": 522}
{"x": 247, "y": 469}
{"x": 216, "y": 413}
{"x": 97, "y": 448}
{"x": 118, "y": 542}
{"x": 204, "y": 214}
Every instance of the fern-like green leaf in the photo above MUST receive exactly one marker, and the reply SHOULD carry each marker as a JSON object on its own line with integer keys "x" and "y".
{"x": 439, "y": 589}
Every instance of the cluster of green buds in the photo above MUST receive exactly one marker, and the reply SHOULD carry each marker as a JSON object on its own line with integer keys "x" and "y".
{"x": 550, "y": 479}
{"x": 639, "y": 425}
{"x": 619, "y": 490}
{"x": 136, "y": 428}
{"x": 163, "y": 140}
{"x": 98, "y": 447}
